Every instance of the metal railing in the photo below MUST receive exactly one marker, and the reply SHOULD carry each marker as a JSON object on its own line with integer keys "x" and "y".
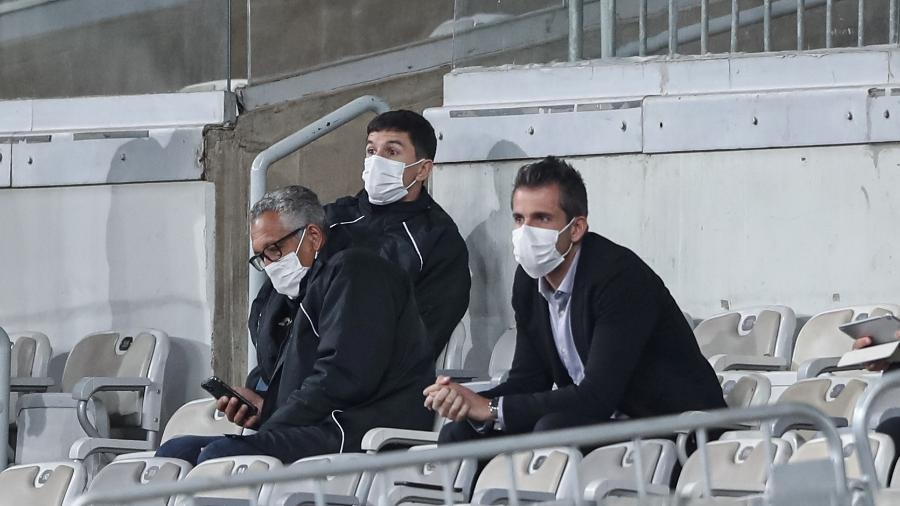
{"x": 860, "y": 426}
{"x": 5, "y": 355}
{"x": 737, "y": 19}
{"x": 259, "y": 169}
{"x": 578, "y": 437}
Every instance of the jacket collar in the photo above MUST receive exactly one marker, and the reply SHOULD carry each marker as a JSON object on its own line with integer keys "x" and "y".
{"x": 423, "y": 203}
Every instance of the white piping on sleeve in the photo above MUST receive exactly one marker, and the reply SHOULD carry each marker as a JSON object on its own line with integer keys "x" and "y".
{"x": 311, "y": 324}
{"x": 339, "y": 428}
{"x": 416, "y": 246}
{"x": 347, "y": 222}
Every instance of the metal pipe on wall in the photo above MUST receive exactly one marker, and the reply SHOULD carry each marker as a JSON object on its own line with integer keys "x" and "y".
{"x": 642, "y": 27}
{"x": 673, "y": 28}
{"x": 829, "y": 8}
{"x": 861, "y": 23}
{"x": 801, "y": 31}
{"x": 576, "y": 29}
{"x": 767, "y": 25}
{"x": 704, "y": 26}
{"x": 607, "y": 28}
{"x": 735, "y": 23}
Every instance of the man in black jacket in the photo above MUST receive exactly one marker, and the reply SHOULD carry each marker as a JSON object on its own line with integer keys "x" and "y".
{"x": 340, "y": 344}
{"x": 592, "y": 318}
{"x": 395, "y": 217}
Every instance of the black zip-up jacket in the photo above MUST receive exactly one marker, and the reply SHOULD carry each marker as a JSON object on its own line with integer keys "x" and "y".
{"x": 352, "y": 343}
{"x": 423, "y": 240}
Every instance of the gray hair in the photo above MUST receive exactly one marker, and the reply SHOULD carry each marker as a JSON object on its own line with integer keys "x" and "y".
{"x": 296, "y": 205}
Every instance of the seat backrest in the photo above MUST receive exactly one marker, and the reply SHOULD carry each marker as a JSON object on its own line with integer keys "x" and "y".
{"x": 349, "y": 487}
{"x": 138, "y": 472}
{"x": 548, "y": 470}
{"x": 502, "y": 355}
{"x": 821, "y": 338}
{"x": 200, "y": 418}
{"x": 736, "y": 467}
{"x": 835, "y": 396}
{"x": 30, "y": 354}
{"x": 882, "y": 449}
{"x": 422, "y": 483}
{"x": 753, "y": 331}
{"x": 232, "y": 466}
{"x": 46, "y": 484}
{"x": 121, "y": 354}
{"x": 454, "y": 353}
{"x": 745, "y": 389}
{"x": 615, "y": 463}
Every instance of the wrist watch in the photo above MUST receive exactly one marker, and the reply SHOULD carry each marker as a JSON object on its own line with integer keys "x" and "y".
{"x": 495, "y": 408}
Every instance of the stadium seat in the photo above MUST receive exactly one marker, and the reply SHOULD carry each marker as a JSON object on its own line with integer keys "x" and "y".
{"x": 345, "y": 490}
{"x": 882, "y": 450}
{"x": 44, "y": 484}
{"x": 137, "y": 472}
{"x": 540, "y": 475}
{"x": 736, "y": 467}
{"x": 745, "y": 389}
{"x": 610, "y": 471}
{"x": 29, "y": 358}
{"x": 835, "y": 396}
{"x": 112, "y": 387}
{"x": 755, "y": 338}
{"x": 231, "y": 466}
{"x": 422, "y": 484}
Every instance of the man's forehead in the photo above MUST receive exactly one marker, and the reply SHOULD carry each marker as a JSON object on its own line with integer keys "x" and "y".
{"x": 543, "y": 199}
{"x": 386, "y": 136}
{"x": 268, "y": 224}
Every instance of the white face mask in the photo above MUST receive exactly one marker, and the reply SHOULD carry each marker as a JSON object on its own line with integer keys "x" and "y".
{"x": 287, "y": 273}
{"x": 384, "y": 179}
{"x": 535, "y": 249}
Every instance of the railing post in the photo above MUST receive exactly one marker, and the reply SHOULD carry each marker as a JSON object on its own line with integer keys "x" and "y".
{"x": 607, "y": 28}
{"x": 260, "y": 167}
{"x": 673, "y": 27}
{"x": 576, "y": 30}
{"x": 5, "y": 354}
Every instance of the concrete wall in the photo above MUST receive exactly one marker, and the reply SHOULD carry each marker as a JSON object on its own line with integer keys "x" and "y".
{"x": 812, "y": 228}
{"x": 83, "y": 259}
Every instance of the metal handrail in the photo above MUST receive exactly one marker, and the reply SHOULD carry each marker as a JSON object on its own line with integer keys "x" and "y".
{"x": 860, "y": 426}
{"x": 5, "y": 356}
{"x": 259, "y": 169}
{"x": 581, "y": 436}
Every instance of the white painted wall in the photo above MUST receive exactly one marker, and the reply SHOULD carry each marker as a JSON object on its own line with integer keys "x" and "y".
{"x": 81, "y": 259}
{"x": 797, "y": 226}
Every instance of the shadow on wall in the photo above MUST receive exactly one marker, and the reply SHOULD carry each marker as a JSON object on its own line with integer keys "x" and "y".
{"x": 489, "y": 245}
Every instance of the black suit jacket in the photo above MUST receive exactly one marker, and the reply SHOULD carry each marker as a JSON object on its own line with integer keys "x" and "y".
{"x": 640, "y": 356}
{"x": 355, "y": 352}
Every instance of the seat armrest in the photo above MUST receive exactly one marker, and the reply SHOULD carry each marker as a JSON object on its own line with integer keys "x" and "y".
{"x": 379, "y": 437}
{"x": 86, "y": 387}
{"x": 30, "y": 385}
{"x": 817, "y": 366}
{"x": 748, "y": 363}
{"x": 596, "y": 491}
{"x": 87, "y": 446}
{"x": 479, "y": 386}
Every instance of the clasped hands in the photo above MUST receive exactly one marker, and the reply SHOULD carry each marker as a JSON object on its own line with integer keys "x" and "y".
{"x": 456, "y": 402}
{"x": 236, "y": 411}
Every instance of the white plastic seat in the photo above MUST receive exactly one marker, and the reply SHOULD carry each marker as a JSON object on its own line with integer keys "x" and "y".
{"x": 821, "y": 343}
{"x": 745, "y": 389}
{"x": 231, "y": 466}
{"x": 345, "y": 489}
{"x": 30, "y": 356}
{"x": 753, "y": 338}
{"x": 610, "y": 471}
{"x": 422, "y": 484}
{"x": 541, "y": 475}
{"x": 882, "y": 450}
{"x": 110, "y": 400}
{"x": 44, "y": 484}
{"x": 138, "y": 472}
{"x": 835, "y": 396}
{"x": 737, "y": 467}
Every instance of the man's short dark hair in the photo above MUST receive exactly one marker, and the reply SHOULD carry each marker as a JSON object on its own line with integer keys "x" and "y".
{"x": 552, "y": 170}
{"x": 420, "y": 131}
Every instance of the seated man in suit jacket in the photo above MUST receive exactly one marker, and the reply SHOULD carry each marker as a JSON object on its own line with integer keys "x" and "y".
{"x": 340, "y": 344}
{"x": 591, "y": 318}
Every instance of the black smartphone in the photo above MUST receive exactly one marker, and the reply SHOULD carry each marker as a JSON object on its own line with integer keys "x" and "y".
{"x": 218, "y": 388}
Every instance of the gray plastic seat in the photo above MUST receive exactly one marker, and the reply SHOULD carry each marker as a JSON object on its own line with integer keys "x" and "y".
{"x": 110, "y": 400}
{"x": 139, "y": 472}
{"x": 345, "y": 489}
{"x": 541, "y": 475}
{"x": 745, "y": 389}
{"x": 737, "y": 467}
{"x": 30, "y": 355}
{"x": 43, "y": 484}
{"x": 753, "y": 338}
{"x": 422, "y": 484}
{"x": 230, "y": 466}
{"x": 835, "y": 396}
{"x": 610, "y": 471}
{"x": 882, "y": 450}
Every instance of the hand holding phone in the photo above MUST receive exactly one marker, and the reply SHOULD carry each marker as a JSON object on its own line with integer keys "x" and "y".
{"x": 881, "y": 329}
{"x": 218, "y": 389}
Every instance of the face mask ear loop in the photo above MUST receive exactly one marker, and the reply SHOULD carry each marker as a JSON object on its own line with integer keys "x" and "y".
{"x": 414, "y": 180}
{"x": 297, "y": 251}
{"x": 571, "y": 244}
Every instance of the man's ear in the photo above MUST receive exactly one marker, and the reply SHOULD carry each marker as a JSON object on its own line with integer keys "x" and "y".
{"x": 579, "y": 228}
{"x": 316, "y": 237}
{"x": 424, "y": 170}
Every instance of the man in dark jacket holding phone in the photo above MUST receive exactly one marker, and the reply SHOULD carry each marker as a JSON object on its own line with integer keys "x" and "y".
{"x": 340, "y": 344}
